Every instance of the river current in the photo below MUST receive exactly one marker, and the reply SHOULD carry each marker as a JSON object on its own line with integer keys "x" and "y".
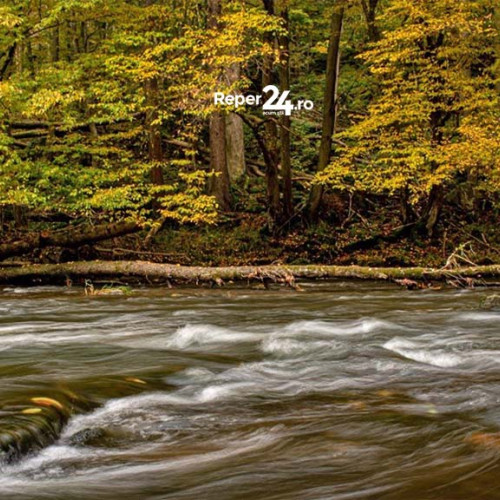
{"x": 342, "y": 391}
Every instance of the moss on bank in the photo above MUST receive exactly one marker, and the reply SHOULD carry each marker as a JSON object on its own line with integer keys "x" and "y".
{"x": 244, "y": 242}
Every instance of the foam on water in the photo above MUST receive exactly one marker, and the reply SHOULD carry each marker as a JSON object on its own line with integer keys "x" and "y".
{"x": 480, "y": 316}
{"x": 327, "y": 328}
{"x": 413, "y": 351}
{"x": 28, "y": 339}
{"x": 55, "y": 456}
{"x": 191, "y": 336}
{"x": 34, "y": 290}
{"x": 321, "y": 338}
{"x": 290, "y": 347}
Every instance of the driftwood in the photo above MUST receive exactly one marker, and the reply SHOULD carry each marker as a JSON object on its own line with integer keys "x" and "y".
{"x": 69, "y": 238}
{"x": 152, "y": 273}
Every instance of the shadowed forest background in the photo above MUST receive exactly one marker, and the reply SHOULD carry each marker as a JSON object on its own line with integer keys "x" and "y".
{"x": 108, "y": 130}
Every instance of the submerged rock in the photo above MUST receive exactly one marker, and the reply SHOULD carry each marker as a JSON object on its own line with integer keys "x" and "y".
{"x": 29, "y": 432}
{"x": 89, "y": 437}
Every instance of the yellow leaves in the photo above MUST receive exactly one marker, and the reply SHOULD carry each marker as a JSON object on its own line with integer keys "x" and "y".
{"x": 48, "y": 402}
{"x": 8, "y": 19}
{"x": 135, "y": 380}
{"x": 31, "y": 411}
{"x": 46, "y": 100}
{"x": 321, "y": 48}
{"x": 435, "y": 115}
{"x": 189, "y": 204}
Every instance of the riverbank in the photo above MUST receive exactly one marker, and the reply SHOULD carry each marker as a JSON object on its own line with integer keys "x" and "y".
{"x": 243, "y": 239}
{"x": 243, "y": 242}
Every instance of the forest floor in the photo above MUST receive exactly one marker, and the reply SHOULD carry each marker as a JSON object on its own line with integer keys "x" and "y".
{"x": 242, "y": 239}
{"x": 245, "y": 242}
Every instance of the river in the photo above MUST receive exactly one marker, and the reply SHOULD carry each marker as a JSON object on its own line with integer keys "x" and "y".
{"x": 345, "y": 390}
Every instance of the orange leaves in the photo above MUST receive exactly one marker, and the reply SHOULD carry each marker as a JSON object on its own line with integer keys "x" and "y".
{"x": 484, "y": 440}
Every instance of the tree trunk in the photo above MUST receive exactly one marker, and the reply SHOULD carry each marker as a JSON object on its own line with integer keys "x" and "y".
{"x": 438, "y": 118}
{"x": 154, "y": 132}
{"x": 70, "y": 238}
{"x": 271, "y": 132}
{"x": 55, "y": 45}
{"x": 218, "y": 163}
{"x": 235, "y": 147}
{"x": 370, "y": 10}
{"x": 433, "y": 210}
{"x": 407, "y": 213}
{"x": 30, "y": 58}
{"x": 286, "y": 122}
{"x": 20, "y": 213}
{"x": 9, "y": 59}
{"x": 220, "y": 183}
{"x": 235, "y": 140}
{"x": 329, "y": 105}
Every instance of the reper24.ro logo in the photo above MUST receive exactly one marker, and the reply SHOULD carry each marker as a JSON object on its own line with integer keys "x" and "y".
{"x": 277, "y": 103}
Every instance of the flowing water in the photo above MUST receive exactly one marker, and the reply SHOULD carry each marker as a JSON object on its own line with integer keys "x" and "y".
{"x": 342, "y": 391}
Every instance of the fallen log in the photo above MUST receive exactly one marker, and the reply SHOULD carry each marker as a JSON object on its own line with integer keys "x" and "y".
{"x": 68, "y": 238}
{"x": 152, "y": 273}
{"x": 31, "y": 124}
{"x": 376, "y": 240}
{"x": 30, "y": 133}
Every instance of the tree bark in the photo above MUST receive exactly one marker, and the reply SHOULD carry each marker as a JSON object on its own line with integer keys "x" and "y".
{"x": 55, "y": 45}
{"x": 9, "y": 59}
{"x": 329, "y": 105}
{"x": 218, "y": 162}
{"x": 271, "y": 132}
{"x": 407, "y": 212}
{"x": 433, "y": 210}
{"x": 154, "y": 132}
{"x": 70, "y": 238}
{"x": 235, "y": 141}
{"x": 370, "y": 10}
{"x": 286, "y": 122}
{"x": 220, "y": 183}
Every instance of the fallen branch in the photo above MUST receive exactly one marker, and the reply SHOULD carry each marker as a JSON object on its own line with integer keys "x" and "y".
{"x": 31, "y": 129}
{"x": 69, "y": 238}
{"x": 128, "y": 251}
{"x": 374, "y": 241}
{"x": 149, "y": 272}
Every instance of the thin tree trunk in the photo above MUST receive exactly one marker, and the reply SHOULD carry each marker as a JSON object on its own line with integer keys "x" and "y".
{"x": 235, "y": 141}
{"x": 154, "y": 132}
{"x": 407, "y": 213}
{"x": 370, "y": 10}
{"x": 9, "y": 59}
{"x": 220, "y": 183}
{"x": 83, "y": 36}
{"x": 433, "y": 210}
{"x": 438, "y": 118}
{"x": 271, "y": 132}
{"x": 218, "y": 163}
{"x": 30, "y": 58}
{"x": 329, "y": 105}
{"x": 286, "y": 122}
{"x": 55, "y": 44}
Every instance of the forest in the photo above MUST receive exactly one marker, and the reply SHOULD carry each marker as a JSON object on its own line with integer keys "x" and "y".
{"x": 113, "y": 147}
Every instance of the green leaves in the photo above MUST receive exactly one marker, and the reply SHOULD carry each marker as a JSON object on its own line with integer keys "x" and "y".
{"x": 432, "y": 121}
